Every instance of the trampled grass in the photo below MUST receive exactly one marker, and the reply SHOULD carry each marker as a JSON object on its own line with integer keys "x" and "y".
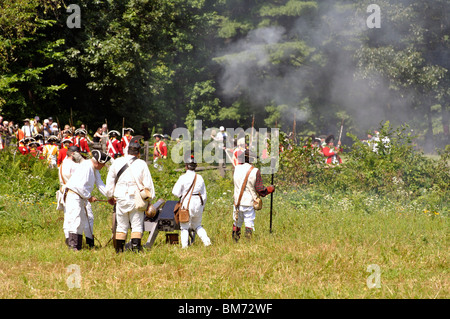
{"x": 321, "y": 247}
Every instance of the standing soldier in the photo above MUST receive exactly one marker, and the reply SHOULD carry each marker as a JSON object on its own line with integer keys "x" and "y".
{"x": 63, "y": 151}
{"x": 159, "y": 150}
{"x": 248, "y": 187}
{"x": 331, "y": 152}
{"x": 114, "y": 145}
{"x": 66, "y": 170}
{"x": 191, "y": 190}
{"x": 50, "y": 151}
{"x": 126, "y": 139}
{"x": 127, "y": 178}
{"x": 83, "y": 143}
{"x": 78, "y": 192}
{"x": 160, "y": 147}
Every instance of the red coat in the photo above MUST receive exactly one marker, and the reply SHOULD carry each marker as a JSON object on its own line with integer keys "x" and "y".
{"x": 115, "y": 148}
{"x": 83, "y": 145}
{"x": 61, "y": 155}
{"x": 126, "y": 140}
{"x": 23, "y": 149}
{"x": 332, "y": 155}
{"x": 159, "y": 149}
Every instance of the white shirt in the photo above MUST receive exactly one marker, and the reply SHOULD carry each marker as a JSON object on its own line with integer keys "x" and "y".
{"x": 137, "y": 175}
{"x": 84, "y": 178}
{"x": 184, "y": 182}
{"x": 66, "y": 170}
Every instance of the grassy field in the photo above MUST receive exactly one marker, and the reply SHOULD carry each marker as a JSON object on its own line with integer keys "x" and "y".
{"x": 323, "y": 245}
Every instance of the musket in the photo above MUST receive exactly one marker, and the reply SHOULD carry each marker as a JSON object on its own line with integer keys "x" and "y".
{"x": 123, "y": 125}
{"x": 340, "y": 133}
{"x": 271, "y": 194}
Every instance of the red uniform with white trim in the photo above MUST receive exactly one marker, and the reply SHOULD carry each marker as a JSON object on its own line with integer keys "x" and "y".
{"x": 114, "y": 148}
{"x": 83, "y": 145}
{"x": 160, "y": 149}
{"x": 331, "y": 153}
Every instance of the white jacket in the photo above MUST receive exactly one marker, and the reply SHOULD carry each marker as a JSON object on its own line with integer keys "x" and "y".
{"x": 250, "y": 193}
{"x": 135, "y": 177}
{"x": 182, "y": 186}
{"x": 84, "y": 178}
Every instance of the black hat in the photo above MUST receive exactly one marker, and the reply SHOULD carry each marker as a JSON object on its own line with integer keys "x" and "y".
{"x": 100, "y": 157}
{"x": 190, "y": 162}
{"x": 114, "y": 133}
{"x": 329, "y": 138}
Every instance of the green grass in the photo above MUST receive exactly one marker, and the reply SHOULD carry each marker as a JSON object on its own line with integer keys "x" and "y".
{"x": 320, "y": 247}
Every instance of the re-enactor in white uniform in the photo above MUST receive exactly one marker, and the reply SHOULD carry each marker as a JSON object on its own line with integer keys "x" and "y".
{"x": 78, "y": 192}
{"x": 196, "y": 204}
{"x": 134, "y": 178}
{"x": 245, "y": 213}
{"x": 66, "y": 170}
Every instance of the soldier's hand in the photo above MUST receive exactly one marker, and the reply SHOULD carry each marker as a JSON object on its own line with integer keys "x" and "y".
{"x": 92, "y": 199}
{"x": 270, "y": 189}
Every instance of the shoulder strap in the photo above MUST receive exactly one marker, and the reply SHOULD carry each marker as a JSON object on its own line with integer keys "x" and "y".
{"x": 244, "y": 184}
{"x": 189, "y": 190}
{"x": 123, "y": 170}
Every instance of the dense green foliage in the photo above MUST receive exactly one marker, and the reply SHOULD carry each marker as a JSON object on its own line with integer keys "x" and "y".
{"x": 160, "y": 63}
{"x": 399, "y": 172}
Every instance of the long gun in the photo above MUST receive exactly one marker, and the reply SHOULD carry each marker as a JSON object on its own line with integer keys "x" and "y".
{"x": 342, "y": 127}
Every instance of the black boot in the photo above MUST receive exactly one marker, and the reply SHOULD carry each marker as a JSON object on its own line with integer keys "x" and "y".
{"x": 120, "y": 243}
{"x": 75, "y": 241}
{"x": 90, "y": 242}
{"x": 136, "y": 244}
{"x": 236, "y": 233}
{"x": 248, "y": 232}
{"x": 67, "y": 241}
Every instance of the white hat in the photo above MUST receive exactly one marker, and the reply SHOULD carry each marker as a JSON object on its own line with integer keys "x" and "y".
{"x": 221, "y": 128}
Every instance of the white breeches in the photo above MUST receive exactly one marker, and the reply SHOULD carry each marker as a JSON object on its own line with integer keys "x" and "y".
{"x": 195, "y": 222}
{"x": 125, "y": 218}
{"x": 78, "y": 216}
{"x": 246, "y": 215}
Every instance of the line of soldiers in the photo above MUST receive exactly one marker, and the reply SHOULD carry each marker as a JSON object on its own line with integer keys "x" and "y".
{"x": 129, "y": 181}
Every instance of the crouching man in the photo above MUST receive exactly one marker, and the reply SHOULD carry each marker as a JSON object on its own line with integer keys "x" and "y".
{"x": 78, "y": 192}
{"x": 127, "y": 177}
{"x": 190, "y": 187}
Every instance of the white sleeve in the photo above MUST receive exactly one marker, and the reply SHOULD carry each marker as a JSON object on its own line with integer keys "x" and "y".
{"x": 100, "y": 185}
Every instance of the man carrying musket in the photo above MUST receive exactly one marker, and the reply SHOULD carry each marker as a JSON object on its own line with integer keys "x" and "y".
{"x": 248, "y": 187}
{"x": 78, "y": 192}
{"x": 129, "y": 177}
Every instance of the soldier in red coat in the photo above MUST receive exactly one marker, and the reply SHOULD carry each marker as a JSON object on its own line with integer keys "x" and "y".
{"x": 331, "y": 152}
{"x": 114, "y": 145}
{"x": 65, "y": 144}
{"x": 82, "y": 142}
{"x": 126, "y": 138}
{"x": 23, "y": 148}
{"x": 159, "y": 148}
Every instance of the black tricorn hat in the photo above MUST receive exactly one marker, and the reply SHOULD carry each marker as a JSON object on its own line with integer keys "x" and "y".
{"x": 100, "y": 157}
{"x": 329, "y": 138}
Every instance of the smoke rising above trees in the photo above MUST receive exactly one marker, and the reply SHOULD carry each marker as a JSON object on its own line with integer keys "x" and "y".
{"x": 166, "y": 63}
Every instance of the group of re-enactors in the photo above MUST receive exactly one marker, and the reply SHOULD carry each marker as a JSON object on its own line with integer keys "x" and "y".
{"x": 126, "y": 177}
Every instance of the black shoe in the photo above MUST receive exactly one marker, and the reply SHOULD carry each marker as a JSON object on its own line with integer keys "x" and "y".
{"x": 120, "y": 243}
{"x": 236, "y": 233}
{"x": 136, "y": 244}
{"x": 90, "y": 242}
{"x": 75, "y": 241}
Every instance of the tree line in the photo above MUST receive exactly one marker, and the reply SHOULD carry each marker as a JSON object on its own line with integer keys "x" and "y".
{"x": 302, "y": 66}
